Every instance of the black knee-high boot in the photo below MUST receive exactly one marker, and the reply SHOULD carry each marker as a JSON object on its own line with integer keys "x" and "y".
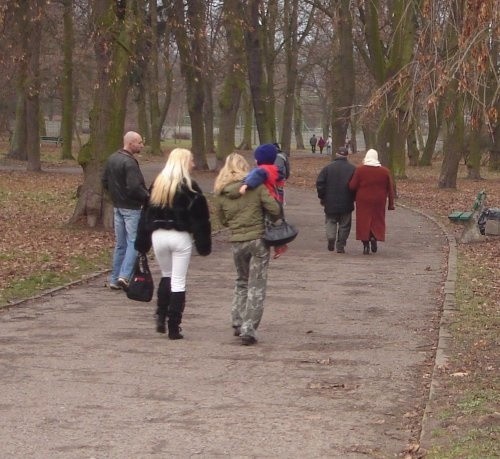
{"x": 162, "y": 304}
{"x": 175, "y": 310}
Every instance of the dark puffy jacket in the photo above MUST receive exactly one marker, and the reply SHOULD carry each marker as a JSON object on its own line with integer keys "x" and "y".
{"x": 189, "y": 213}
{"x": 332, "y": 185}
{"x": 124, "y": 181}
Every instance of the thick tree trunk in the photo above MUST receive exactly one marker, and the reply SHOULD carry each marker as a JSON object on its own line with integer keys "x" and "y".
{"x": 18, "y": 149}
{"x": 153, "y": 82}
{"x": 291, "y": 71}
{"x": 233, "y": 85}
{"x": 343, "y": 77}
{"x": 34, "y": 31}
{"x": 115, "y": 32}
{"x": 453, "y": 144}
{"x": 254, "y": 43}
{"x": 191, "y": 50}
{"x": 67, "y": 81}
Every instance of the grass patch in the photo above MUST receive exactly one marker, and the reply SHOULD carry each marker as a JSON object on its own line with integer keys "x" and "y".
{"x": 473, "y": 444}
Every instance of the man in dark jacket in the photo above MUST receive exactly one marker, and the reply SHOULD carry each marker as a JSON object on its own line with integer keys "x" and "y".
{"x": 332, "y": 185}
{"x": 124, "y": 182}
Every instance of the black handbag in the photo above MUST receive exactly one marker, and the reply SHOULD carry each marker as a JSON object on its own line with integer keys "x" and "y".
{"x": 141, "y": 286}
{"x": 279, "y": 232}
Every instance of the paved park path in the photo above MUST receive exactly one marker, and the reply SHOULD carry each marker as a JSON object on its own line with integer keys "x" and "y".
{"x": 341, "y": 369}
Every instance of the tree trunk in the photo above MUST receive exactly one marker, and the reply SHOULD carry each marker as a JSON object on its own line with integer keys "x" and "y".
{"x": 67, "y": 81}
{"x": 208, "y": 114}
{"x": 494, "y": 132}
{"x": 473, "y": 160}
{"x": 246, "y": 143}
{"x": 233, "y": 85}
{"x": 140, "y": 99}
{"x": 18, "y": 149}
{"x": 411, "y": 143}
{"x": 191, "y": 50}
{"x": 114, "y": 35}
{"x": 34, "y": 31}
{"x": 435, "y": 118}
{"x": 453, "y": 143}
{"x": 254, "y": 43}
{"x": 291, "y": 71}
{"x": 343, "y": 81}
{"x": 297, "y": 116}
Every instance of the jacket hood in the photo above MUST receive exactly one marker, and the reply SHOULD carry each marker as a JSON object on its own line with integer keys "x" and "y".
{"x": 232, "y": 190}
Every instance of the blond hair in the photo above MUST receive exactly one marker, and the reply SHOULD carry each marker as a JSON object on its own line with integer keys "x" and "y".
{"x": 235, "y": 169}
{"x": 175, "y": 173}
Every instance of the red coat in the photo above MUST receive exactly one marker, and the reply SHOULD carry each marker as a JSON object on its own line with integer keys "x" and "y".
{"x": 373, "y": 186}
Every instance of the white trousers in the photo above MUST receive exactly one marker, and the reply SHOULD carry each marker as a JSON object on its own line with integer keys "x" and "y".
{"x": 173, "y": 251}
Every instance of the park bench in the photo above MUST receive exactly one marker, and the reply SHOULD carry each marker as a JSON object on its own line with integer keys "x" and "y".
{"x": 470, "y": 219}
{"x": 51, "y": 139}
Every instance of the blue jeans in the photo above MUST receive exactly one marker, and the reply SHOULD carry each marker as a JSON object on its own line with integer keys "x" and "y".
{"x": 124, "y": 256}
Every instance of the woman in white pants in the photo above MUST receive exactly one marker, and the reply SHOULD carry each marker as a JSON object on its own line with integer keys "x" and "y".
{"x": 176, "y": 216}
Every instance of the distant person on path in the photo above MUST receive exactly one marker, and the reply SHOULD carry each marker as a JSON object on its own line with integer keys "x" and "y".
{"x": 123, "y": 180}
{"x": 176, "y": 216}
{"x": 282, "y": 162}
{"x": 313, "y": 141}
{"x": 329, "y": 143}
{"x": 268, "y": 174}
{"x": 337, "y": 199}
{"x": 373, "y": 186}
{"x": 243, "y": 214}
{"x": 321, "y": 144}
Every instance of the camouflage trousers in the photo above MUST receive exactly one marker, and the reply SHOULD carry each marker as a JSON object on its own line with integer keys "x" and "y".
{"x": 251, "y": 259}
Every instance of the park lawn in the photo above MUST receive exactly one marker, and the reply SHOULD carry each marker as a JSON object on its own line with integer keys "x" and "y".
{"x": 39, "y": 251}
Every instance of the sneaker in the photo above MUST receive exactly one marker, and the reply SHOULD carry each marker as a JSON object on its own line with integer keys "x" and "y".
{"x": 114, "y": 286}
{"x": 280, "y": 250}
{"x": 123, "y": 283}
{"x": 248, "y": 340}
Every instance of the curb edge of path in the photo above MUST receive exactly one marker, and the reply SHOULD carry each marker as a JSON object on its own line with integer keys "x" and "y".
{"x": 447, "y": 312}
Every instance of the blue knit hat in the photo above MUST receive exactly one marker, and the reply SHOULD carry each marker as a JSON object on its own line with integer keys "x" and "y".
{"x": 265, "y": 154}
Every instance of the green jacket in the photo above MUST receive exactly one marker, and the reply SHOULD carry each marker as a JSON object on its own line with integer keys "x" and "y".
{"x": 244, "y": 214}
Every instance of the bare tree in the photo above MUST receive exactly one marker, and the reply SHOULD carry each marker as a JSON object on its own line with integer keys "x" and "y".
{"x": 115, "y": 30}
{"x": 234, "y": 81}
{"x": 189, "y": 32}
{"x": 67, "y": 80}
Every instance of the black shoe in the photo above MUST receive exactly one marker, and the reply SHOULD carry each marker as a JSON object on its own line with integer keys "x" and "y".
{"x": 160, "y": 326}
{"x": 175, "y": 336}
{"x": 366, "y": 248}
{"x": 373, "y": 243}
{"x": 248, "y": 340}
{"x": 341, "y": 250}
{"x": 174, "y": 331}
{"x": 331, "y": 245}
{"x": 236, "y": 330}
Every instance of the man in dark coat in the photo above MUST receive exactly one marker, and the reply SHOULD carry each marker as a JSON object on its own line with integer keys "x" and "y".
{"x": 332, "y": 186}
{"x": 124, "y": 182}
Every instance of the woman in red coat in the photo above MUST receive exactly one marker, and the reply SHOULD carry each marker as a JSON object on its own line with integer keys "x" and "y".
{"x": 373, "y": 186}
